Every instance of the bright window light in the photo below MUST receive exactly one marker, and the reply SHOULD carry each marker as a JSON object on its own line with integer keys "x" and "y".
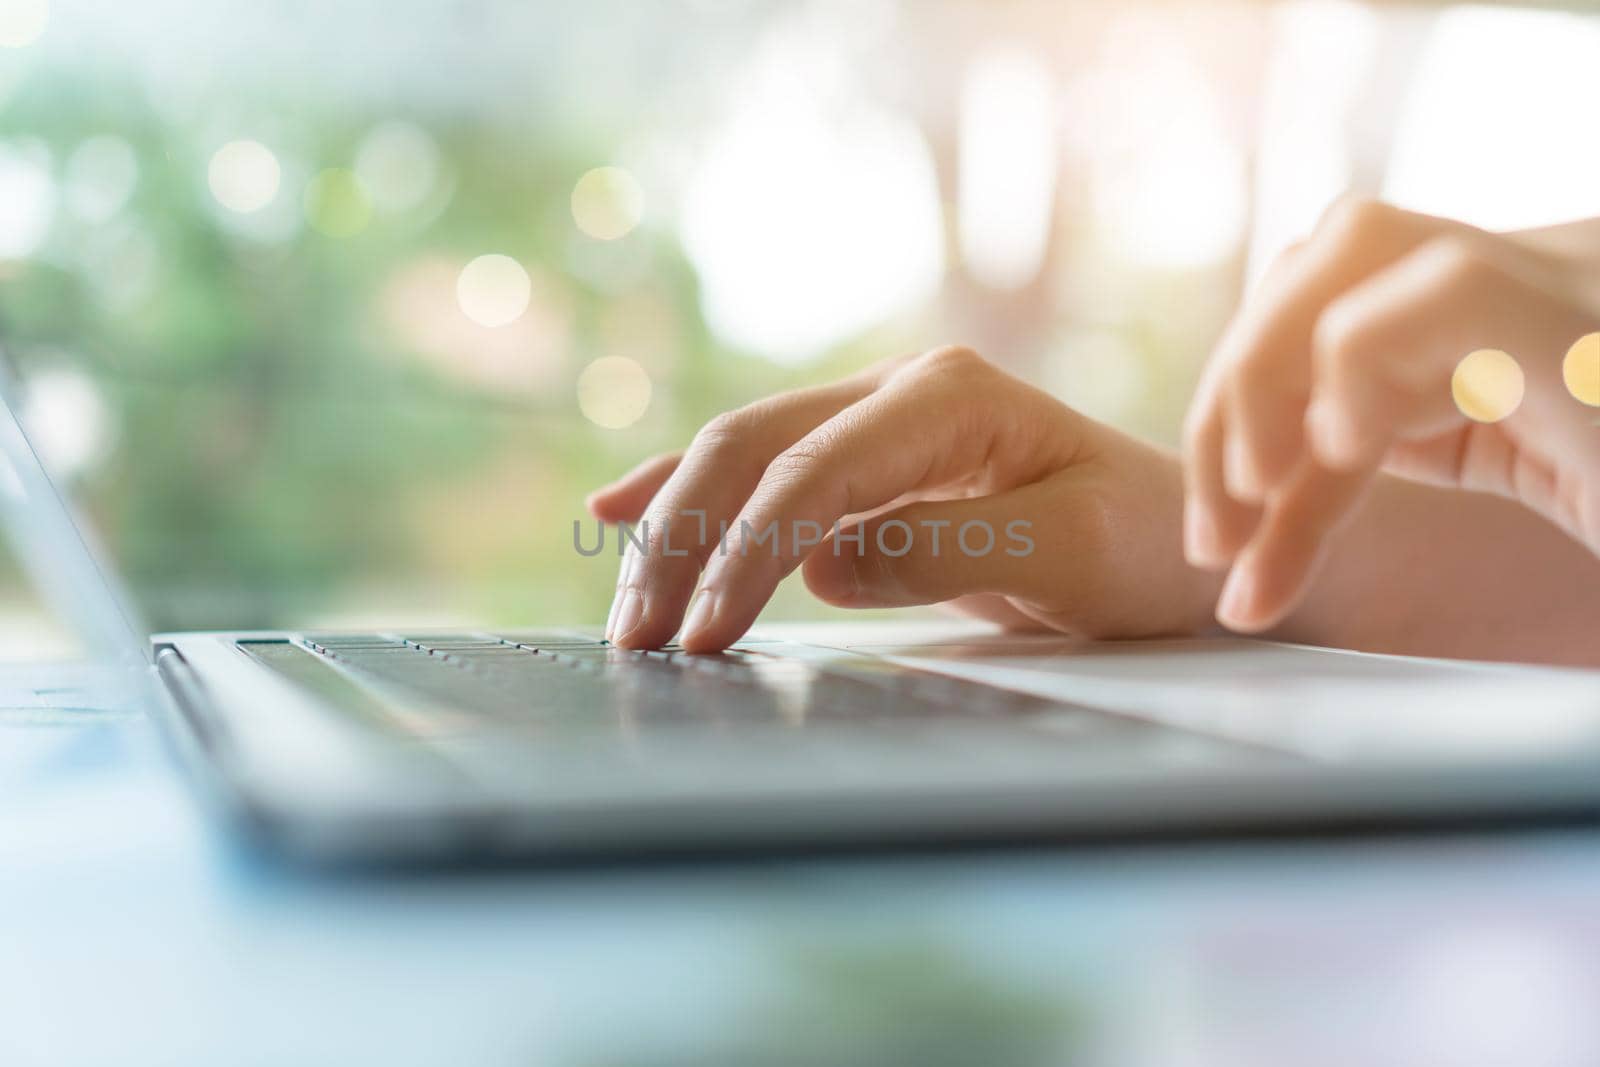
{"x": 68, "y": 420}
{"x": 810, "y": 221}
{"x": 27, "y": 199}
{"x": 1499, "y": 129}
{"x": 1166, "y": 180}
{"x": 23, "y": 22}
{"x": 1008, "y": 167}
{"x": 1322, "y": 51}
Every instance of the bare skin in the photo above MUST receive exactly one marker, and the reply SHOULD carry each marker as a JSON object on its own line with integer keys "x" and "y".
{"x": 1344, "y": 555}
{"x": 1341, "y": 367}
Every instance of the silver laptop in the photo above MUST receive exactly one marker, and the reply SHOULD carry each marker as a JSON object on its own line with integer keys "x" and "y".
{"x": 406, "y": 747}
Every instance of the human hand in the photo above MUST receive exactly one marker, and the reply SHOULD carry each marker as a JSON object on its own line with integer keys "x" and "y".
{"x": 1342, "y": 364}
{"x": 942, "y": 448}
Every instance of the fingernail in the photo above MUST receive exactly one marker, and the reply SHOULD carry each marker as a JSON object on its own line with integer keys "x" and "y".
{"x": 628, "y": 614}
{"x": 701, "y": 612}
{"x": 624, "y": 572}
{"x": 1237, "y": 600}
{"x": 611, "y": 616}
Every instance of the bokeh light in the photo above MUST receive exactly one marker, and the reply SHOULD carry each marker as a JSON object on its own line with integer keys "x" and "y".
{"x": 421, "y": 308}
{"x": 23, "y": 22}
{"x": 821, "y": 183}
{"x": 67, "y": 419}
{"x": 1484, "y": 70}
{"x": 100, "y": 177}
{"x": 337, "y": 203}
{"x": 27, "y": 198}
{"x": 607, "y": 203}
{"x": 1581, "y": 370}
{"x": 1487, "y": 385}
{"x": 808, "y": 220}
{"x": 244, "y": 176}
{"x": 399, "y": 165}
{"x": 613, "y": 392}
{"x": 493, "y": 290}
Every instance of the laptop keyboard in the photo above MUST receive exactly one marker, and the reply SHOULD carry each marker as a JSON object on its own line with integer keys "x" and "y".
{"x": 556, "y": 680}
{"x": 555, "y": 709}
{"x": 454, "y": 684}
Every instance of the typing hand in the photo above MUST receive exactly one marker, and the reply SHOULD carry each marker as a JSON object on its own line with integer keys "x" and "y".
{"x": 949, "y": 481}
{"x": 1344, "y": 363}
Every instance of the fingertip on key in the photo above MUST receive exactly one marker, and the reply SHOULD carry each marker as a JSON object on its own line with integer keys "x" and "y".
{"x": 709, "y": 628}
{"x": 702, "y": 612}
{"x": 630, "y": 612}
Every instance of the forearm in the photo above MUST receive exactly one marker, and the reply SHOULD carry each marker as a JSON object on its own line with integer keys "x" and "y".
{"x": 1438, "y": 572}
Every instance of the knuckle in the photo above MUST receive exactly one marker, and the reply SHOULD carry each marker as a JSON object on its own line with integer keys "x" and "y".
{"x": 1355, "y": 220}
{"x": 798, "y": 463}
{"x": 1457, "y": 263}
{"x": 1352, "y": 349}
{"x": 955, "y": 380}
{"x": 725, "y": 433}
{"x": 954, "y": 359}
{"x": 1340, "y": 338}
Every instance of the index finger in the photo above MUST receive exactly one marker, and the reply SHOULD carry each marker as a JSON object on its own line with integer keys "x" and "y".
{"x": 1266, "y": 351}
{"x": 709, "y": 484}
{"x": 1387, "y": 356}
{"x": 921, "y": 430}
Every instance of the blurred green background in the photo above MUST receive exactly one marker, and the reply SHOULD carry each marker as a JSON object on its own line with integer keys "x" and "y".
{"x": 243, "y": 248}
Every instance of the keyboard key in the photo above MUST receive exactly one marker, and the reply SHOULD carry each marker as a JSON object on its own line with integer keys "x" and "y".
{"x": 462, "y": 685}
{"x": 549, "y": 638}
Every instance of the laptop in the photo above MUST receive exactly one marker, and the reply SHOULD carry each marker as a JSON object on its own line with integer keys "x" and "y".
{"x": 403, "y": 747}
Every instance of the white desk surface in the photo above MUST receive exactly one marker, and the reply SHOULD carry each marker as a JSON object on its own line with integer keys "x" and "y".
{"x": 133, "y": 933}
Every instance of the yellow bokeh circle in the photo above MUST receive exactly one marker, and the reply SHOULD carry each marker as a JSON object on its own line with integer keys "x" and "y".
{"x": 1487, "y": 385}
{"x": 613, "y": 392}
{"x": 1581, "y": 370}
{"x": 607, "y": 203}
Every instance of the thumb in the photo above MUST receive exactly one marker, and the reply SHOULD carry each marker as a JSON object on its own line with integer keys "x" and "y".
{"x": 933, "y": 551}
